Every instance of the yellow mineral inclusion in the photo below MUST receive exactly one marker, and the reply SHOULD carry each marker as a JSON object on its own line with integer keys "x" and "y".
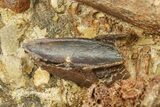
{"x": 68, "y": 59}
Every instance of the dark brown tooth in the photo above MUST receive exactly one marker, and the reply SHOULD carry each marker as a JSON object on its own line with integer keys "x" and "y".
{"x": 67, "y": 57}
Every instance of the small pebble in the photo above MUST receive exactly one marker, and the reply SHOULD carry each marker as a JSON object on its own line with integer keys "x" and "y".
{"x": 41, "y": 77}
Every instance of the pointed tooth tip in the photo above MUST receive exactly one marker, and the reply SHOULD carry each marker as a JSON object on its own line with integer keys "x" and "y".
{"x": 25, "y": 46}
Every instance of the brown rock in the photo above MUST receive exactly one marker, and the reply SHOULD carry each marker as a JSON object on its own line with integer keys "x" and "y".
{"x": 141, "y": 13}
{"x": 15, "y": 5}
{"x": 125, "y": 93}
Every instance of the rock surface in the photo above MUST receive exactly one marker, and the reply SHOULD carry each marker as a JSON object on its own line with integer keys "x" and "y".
{"x": 19, "y": 85}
